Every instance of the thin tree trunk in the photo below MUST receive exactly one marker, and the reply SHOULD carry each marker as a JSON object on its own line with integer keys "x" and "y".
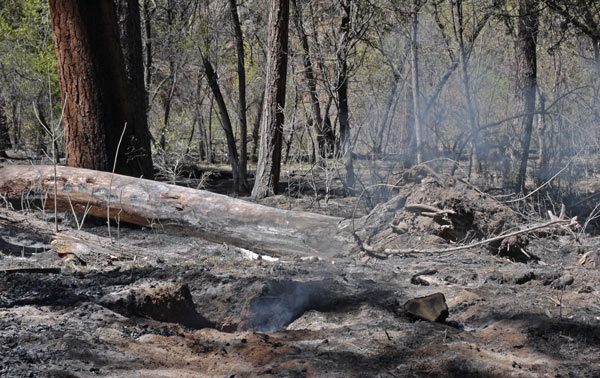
{"x": 202, "y": 146}
{"x": 241, "y": 70}
{"x": 269, "y": 161}
{"x": 596, "y": 44}
{"x": 543, "y": 172}
{"x": 344, "y": 142}
{"x": 211, "y": 150}
{"x": 342, "y": 79}
{"x": 386, "y": 114}
{"x": 167, "y": 106}
{"x": 16, "y": 124}
{"x": 317, "y": 124}
{"x": 526, "y": 83}
{"x": 407, "y": 131}
{"x": 239, "y": 179}
{"x": 457, "y": 12}
{"x": 4, "y": 133}
{"x": 148, "y": 13}
{"x": 415, "y": 83}
{"x": 256, "y": 128}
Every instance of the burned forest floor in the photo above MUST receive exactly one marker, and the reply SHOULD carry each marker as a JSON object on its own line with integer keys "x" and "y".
{"x": 144, "y": 303}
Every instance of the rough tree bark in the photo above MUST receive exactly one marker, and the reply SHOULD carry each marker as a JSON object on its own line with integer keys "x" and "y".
{"x": 130, "y": 36}
{"x": 526, "y": 82}
{"x": 241, "y": 71}
{"x": 271, "y": 130}
{"x": 182, "y": 210}
{"x": 95, "y": 89}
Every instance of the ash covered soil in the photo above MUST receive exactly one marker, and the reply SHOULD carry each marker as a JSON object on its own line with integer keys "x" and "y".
{"x": 157, "y": 305}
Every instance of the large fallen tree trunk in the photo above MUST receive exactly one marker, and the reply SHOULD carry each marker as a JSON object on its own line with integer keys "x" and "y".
{"x": 177, "y": 209}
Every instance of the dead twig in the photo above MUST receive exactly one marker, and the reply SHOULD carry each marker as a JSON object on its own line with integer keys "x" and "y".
{"x": 389, "y": 251}
{"x": 427, "y": 210}
{"x": 541, "y": 186}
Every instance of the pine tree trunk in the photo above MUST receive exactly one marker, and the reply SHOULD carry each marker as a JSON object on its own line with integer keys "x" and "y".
{"x": 96, "y": 91}
{"x": 271, "y": 130}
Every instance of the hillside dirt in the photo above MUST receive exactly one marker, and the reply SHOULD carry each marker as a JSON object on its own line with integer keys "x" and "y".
{"x": 158, "y": 305}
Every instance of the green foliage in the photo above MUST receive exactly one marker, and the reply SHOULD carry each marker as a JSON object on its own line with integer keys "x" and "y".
{"x": 26, "y": 46}
{"x": 27, "y": 65}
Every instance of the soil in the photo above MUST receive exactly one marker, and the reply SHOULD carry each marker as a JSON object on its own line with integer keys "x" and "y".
{"x": 160, "y": 305}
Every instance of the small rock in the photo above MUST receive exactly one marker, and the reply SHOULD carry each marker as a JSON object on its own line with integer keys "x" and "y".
{"x": 432, "y": 308}
{"x": 416, "y": 280}
{"x": 562, "y": 282}
{"x": 524, "y": 278}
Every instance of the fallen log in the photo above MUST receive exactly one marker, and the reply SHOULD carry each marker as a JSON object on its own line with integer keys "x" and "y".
{"x": 86, "y": 247}
{"x": 171, "y": 208}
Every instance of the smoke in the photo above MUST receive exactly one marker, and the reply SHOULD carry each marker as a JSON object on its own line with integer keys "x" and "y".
{"x": 282, "y": 302}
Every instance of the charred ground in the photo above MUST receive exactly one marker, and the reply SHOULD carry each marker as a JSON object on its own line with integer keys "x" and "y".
{"x": 163, "y": 305}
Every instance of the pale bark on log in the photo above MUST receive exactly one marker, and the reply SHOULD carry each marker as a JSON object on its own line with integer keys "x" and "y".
{"x": 172, "y": 208}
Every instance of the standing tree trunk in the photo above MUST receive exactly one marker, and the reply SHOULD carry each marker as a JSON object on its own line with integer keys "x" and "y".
{"x": 415, "y": 82}
{"x": 407, "y": 126}
{"x": 148, "y": 13}
{"x": 317, "y": 129}
{"x": 271, "y": 130}
{"x": 526, "y": 82}
{"x": 256, "y": 128}
{"x": 342, "y": 79}
{"x": 543, "y": 166}
{"x": 344, "y": 142}
{"x": 130, "y": 36}
{"x": 239, "y": 178}
{"x": 4, "y": 135}
{"x": 96, "y": 91}
{"x": 378, "y": 147}
{"x": 458, "y": 20}
{"x": 241, "y": 70}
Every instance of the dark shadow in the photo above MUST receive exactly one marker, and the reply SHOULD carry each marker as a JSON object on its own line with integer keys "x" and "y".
{"x": 562, "y": 339}
{"x": 17, "y": 250}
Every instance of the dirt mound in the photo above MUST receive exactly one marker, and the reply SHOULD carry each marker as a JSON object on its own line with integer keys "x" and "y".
{"x": 434, "y": 209}
{"x": 166, "y": 303}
